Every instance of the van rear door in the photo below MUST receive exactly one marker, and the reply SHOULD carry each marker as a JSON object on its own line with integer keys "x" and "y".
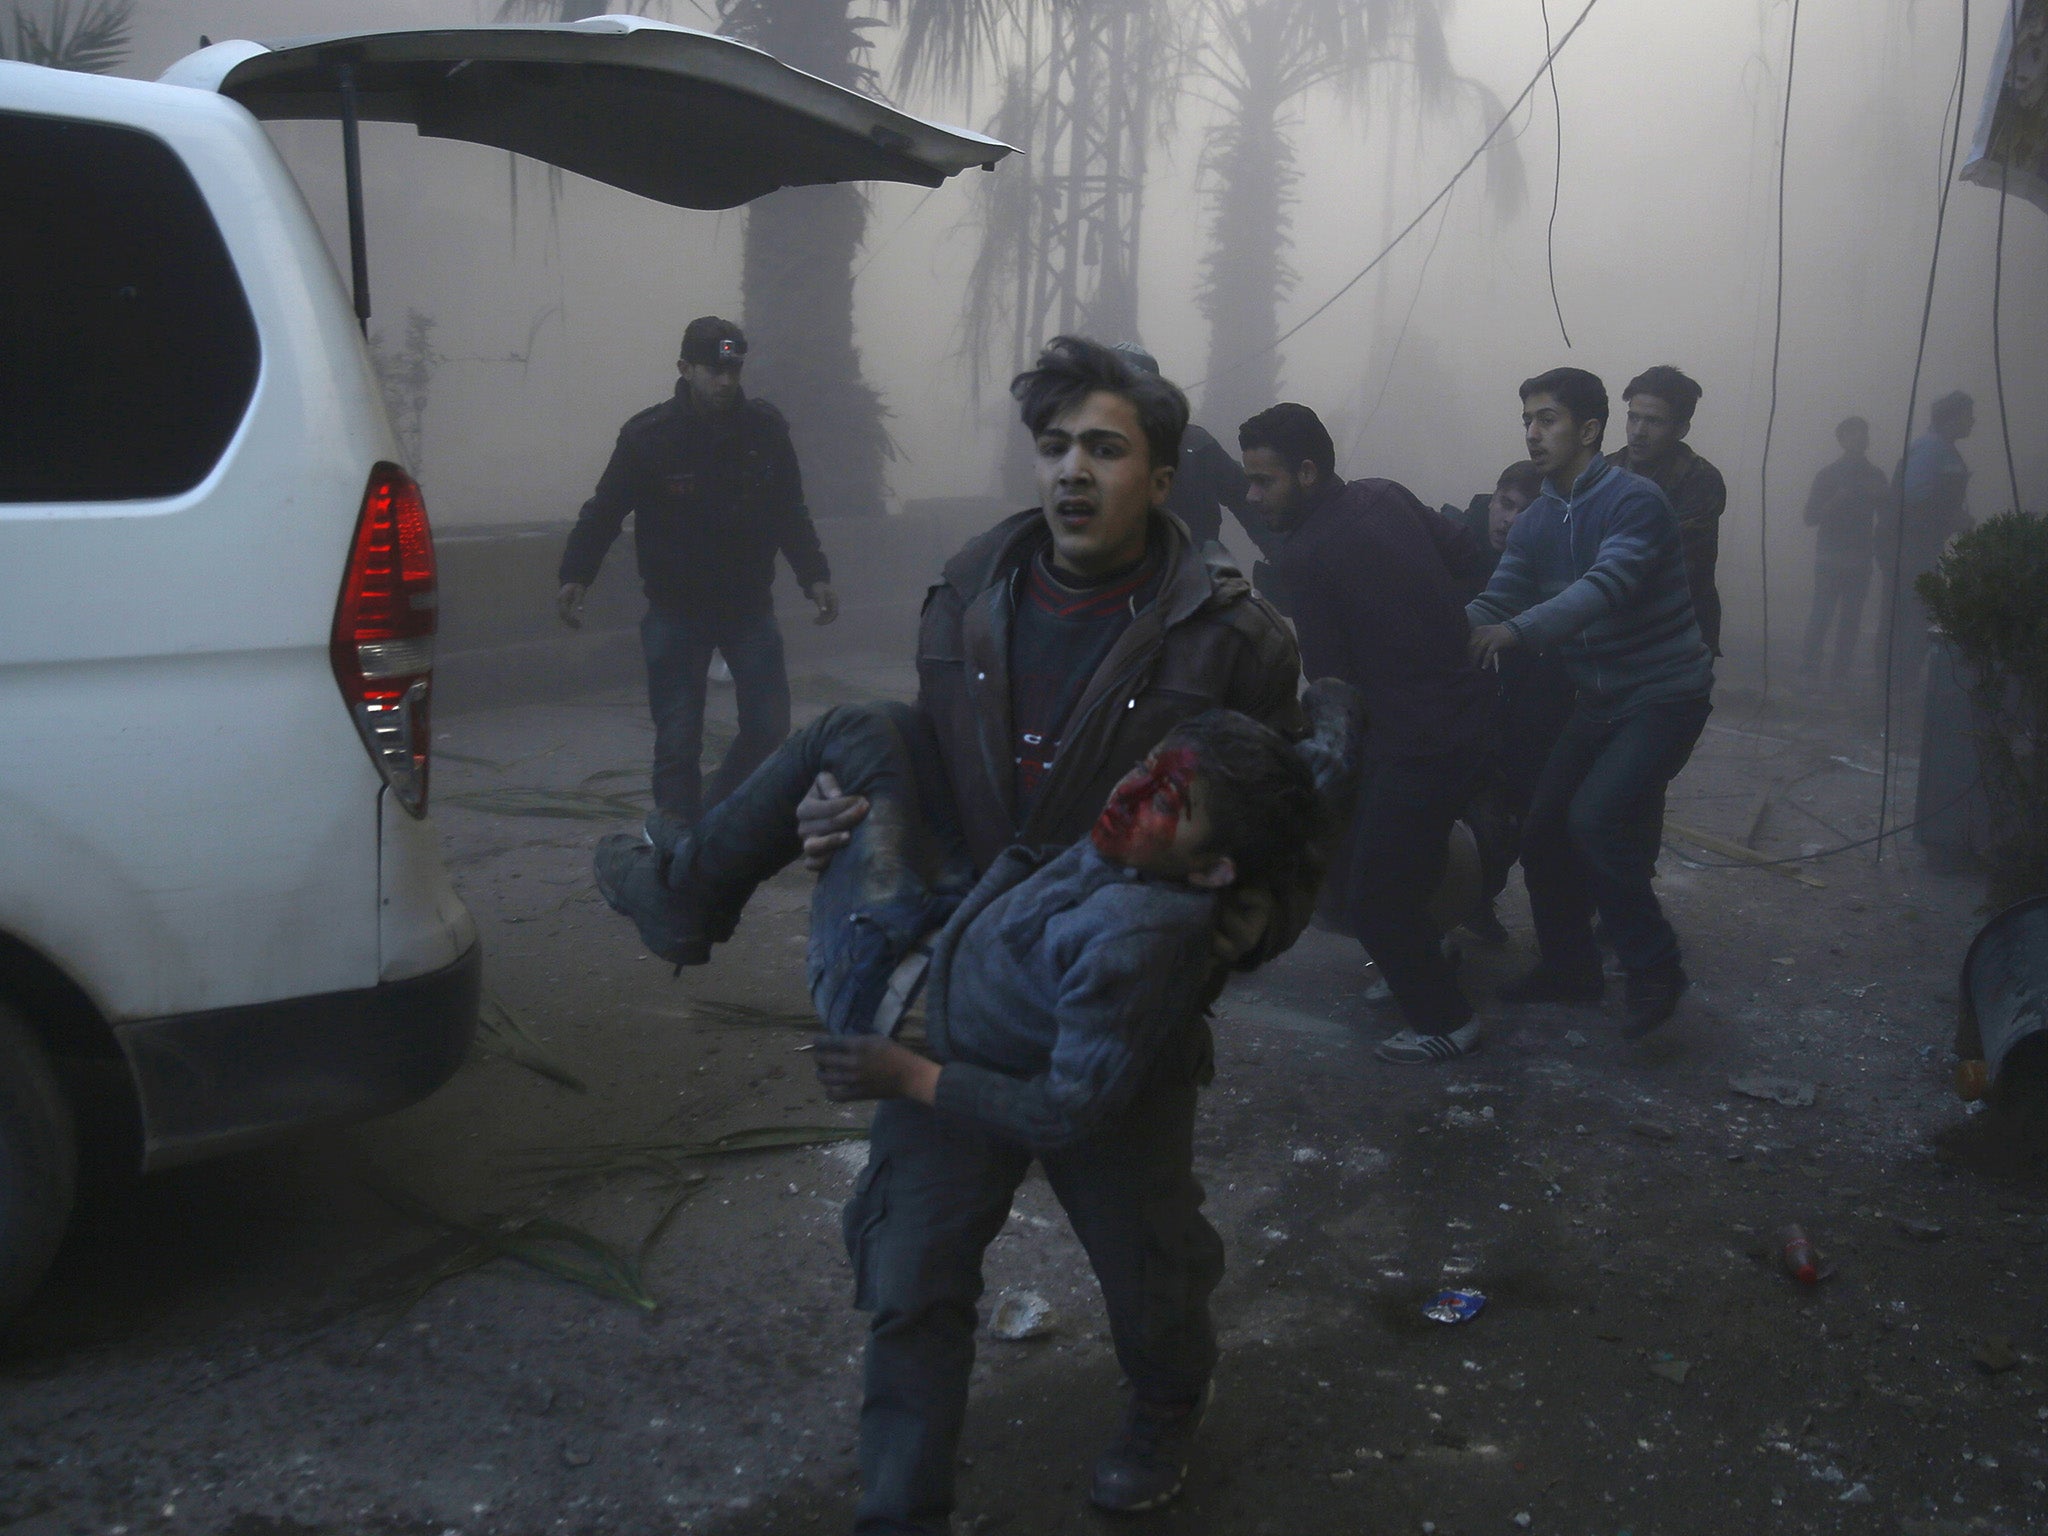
{"x": 677, "y": 115}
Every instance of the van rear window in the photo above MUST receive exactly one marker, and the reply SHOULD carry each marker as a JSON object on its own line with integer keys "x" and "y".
{"x": 127, "y": 351}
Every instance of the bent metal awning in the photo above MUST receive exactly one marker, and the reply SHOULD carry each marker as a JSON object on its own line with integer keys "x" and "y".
{"x": 673, "y": 114}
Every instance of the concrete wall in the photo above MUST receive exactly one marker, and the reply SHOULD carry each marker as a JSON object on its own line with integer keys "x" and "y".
{"x": 500, "y": 642}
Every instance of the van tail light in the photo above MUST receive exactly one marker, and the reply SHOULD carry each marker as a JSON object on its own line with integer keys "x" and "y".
{"x": 383, "y": 645}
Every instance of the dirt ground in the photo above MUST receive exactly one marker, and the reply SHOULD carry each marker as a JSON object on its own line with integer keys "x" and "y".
{"x": 308, "y": 1339}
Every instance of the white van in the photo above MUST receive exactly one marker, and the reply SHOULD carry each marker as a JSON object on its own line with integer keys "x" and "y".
{"x": 218, "y": 885}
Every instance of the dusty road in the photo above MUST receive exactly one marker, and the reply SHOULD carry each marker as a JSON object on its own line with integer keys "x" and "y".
{"x": 312, "y": 1339}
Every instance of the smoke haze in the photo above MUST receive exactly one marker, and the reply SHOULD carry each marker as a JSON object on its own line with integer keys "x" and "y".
{"x": 557, "y": 323}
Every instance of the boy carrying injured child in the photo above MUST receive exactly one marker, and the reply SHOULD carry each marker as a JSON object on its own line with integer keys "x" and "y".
{"x": 1065, "y": 997}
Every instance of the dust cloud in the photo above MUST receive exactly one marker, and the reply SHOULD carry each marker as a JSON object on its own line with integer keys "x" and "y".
{"x": 555, "y": 303}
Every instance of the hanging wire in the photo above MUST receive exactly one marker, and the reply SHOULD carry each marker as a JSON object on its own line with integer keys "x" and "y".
{"x": 1763, "y": 474}
{"x": 1401, "y": 336}
{"x": 1953, "y": 127}
{"x": 1556, "y": 179}
{"x": 1415, "y": 223}
{"x": 2012, "y": 473}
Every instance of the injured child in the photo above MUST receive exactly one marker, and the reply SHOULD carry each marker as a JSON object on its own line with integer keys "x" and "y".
{"x": 1064, "y": 995}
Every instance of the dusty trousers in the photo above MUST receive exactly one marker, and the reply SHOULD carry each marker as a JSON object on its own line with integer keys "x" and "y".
{"x": 1593, "y": 832}
{"x": 1392, "y": 861}
{"x": 936, "y": 1191}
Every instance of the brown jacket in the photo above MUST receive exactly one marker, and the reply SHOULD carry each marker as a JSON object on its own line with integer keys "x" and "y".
{"x": 1206, "y": 640}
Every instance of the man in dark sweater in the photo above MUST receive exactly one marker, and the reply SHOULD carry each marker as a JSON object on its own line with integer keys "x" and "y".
{"x": 713, "y": 485}
{"x": 1661, "y": 402}
{"x": 1370, "y": 576}
{"x": 1843, "y": 506}
{"x": 1096, "y": 570}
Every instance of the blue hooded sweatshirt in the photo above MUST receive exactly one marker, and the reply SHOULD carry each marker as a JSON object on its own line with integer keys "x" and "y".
{"x": 1600, "y": 575}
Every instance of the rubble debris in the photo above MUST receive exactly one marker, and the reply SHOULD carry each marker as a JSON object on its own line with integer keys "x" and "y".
{"x": 1797, "y": 1253}
{"x": 1788, "y": 1091}
{"x": 1652, "y": 1130}
{"x": 1455, "y": 1306}
{"x": 1995, "y": 1355}
{"x": 1021, "y": 1315}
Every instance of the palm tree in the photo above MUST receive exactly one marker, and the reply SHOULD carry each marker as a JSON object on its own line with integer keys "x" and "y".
{"x": 1258, "y": 60}
{"x": 91, "y": 39}
{"x": 1085, "y": 96}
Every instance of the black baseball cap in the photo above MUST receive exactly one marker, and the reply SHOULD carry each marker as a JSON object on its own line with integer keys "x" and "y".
{"x": 712, "y": 342}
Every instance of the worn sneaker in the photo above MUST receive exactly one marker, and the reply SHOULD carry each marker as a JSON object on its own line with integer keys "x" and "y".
{"x": 1544, "y": 985}
{"x": 1411, "y": 1049}
{"x": 629, "y": 878}
{"x": 1149, "y": 1462}
{"x": 1653, "y": 997}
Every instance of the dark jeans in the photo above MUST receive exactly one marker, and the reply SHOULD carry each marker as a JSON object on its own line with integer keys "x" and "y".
{"x": 935, "y": 1194}
{"x": 1593, "y": 832}
{"x": 1394, "y": 858}
{"x": 678, "y": 646}
{"x": 901, "y": 873}
{"x": 1837, "y": 590}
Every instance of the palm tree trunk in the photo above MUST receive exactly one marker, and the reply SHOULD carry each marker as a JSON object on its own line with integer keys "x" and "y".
{"x": 802, "y": 245}
{"x": 801, "y": 249}
{"x": 1245, "y": 273}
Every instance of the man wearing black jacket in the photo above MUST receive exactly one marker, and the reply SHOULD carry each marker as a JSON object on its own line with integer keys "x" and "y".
{"x": 1371, "y": 577}
{"x": 715, "y": 490}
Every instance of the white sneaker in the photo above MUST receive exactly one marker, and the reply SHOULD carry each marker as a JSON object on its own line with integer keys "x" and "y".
{"x": 1410, "y": 1049}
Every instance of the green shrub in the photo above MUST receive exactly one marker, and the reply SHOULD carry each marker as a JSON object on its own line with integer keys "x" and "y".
{"x": 1990, "y": 595}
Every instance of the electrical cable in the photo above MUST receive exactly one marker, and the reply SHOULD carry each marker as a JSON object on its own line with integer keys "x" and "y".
{"x": 2012, "y": 473}
{"x": 1413, "y": 224}
{"x": 1954, "y": 129}
{"x": 1556, "y": 183}
{"x": 1400, "y": 336}
{"x": 1763, "y": 473}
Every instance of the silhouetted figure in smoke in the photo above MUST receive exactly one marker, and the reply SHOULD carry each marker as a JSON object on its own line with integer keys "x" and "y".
{"x": 1843, "y": 505}
{"x": 1369, "y": 573}
{"x": 1595, "y": 568}
{"x": 715, "y": 492}
{"x": 1208, "y": 481}
{"x": 1661, "y": 402}
{"x": 1929, "y": 504}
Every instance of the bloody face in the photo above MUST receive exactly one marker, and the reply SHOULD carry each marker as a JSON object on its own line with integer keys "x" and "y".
{"x": 1144, "y": 814}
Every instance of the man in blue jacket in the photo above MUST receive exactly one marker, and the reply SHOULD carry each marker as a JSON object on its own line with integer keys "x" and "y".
{"x": 1596, "y": 568}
